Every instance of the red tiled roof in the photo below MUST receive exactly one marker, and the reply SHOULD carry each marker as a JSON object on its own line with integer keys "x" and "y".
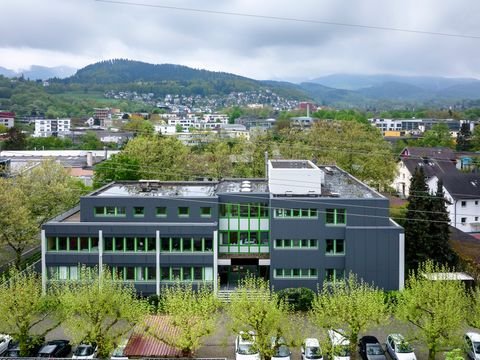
{"x": 142, "y": 344}
{"x": 7, "y": 114}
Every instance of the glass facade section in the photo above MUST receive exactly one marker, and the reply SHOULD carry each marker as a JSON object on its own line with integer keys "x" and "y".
{"x": 72, "y": 243}
{"x": 110, "y": 211}
{"x": 244, "y": 241}
{"x": 246, "y": 210}
{"x": 186, "y": 245}
{"x": 333, "y": 275}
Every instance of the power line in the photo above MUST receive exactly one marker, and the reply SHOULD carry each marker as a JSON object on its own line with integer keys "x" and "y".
{"x": 290, "y": 19}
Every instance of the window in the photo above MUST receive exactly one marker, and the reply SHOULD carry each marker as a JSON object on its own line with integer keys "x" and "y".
{"x": 129, "y": 244}
{"x": 151, "y": 244}
{"x": 161, "y": 211}
{"x": 296, "y": 244}
{"x": 335, "y": 216}
{"x": 463, "y": 203}
{"x": 335, "y": 247}
{"x": 476, "y": 202}
{"x": 295, "y": 273}
{"x": 205, "y": 211}
{"x": 111, "y": 211}
{"x": 476, "y": 218}
{"x": 463, "y": 220}
{"x": 138, "y": 211}
{"x": 333, "y": 275}
{"x": 183, "y": 211}
{"x": 296, "y": 213}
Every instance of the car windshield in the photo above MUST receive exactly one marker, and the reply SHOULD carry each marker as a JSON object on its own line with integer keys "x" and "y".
{"x": 313, "y": 352}
{"x": 282, "y": 351}
{"x": 404, "y": 347}
{"x": 13, "y": 353}
{"x": 83, "y": 351}
{"x": 118, "y": 352}
{"x": 342, "y": 350}
{"x": 476, "y": 346}
{"x": 246, "y": 349}
{"x": 374, "y": 349}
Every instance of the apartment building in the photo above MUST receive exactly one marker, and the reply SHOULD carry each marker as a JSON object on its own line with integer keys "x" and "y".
{"x": 7, "y": 119}
{"x": 51, "y": 127}
{"x": 300, "y": 227}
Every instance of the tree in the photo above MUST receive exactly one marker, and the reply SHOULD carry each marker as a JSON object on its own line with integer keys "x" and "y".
{"x": 90, "y": 141}
{"x": 100, "y": 309}
{"x": 193, "y": 312}
{"x": 464, "y": 137}
{"x": 438, "y": 135}
{"x": 16, "y": 139}
{"x": 178, "y": 128}
{"x": 49, "y": 190}
{"x": 475, "y": 141}
{"x": 435, "y": 305}
{"x": 473, "y": 318}
{"x": 18, "y": 228}
{"x": 416, "y": 224}
{"x": 349, "y": 307}
{"x": 356, "y": 147}
{"x": 22, "y": 307}
{"x": 3, "y": 129}
{"x": 255, "y": 307}
{"x": 439, "y": 249}
{"x": 217, "y": 157}
{"x": 119, "y": 167}
{"x": 139, "y": 125}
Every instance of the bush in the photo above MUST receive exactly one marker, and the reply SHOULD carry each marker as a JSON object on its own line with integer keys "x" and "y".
{"x": 455, "y": 354}
{"x": 300, "y": 299}
{"x": 391, "y": 298}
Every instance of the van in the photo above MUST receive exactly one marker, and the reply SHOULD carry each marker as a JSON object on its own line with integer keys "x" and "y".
{"x": 340, "y": 345}
{"x": 311, "y": 349}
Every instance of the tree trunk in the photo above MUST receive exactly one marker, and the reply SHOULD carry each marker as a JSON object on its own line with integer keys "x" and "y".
{"x": 18, "y": 259}
{"x": 353, "y": 347}
{"x": 431, "y": 354}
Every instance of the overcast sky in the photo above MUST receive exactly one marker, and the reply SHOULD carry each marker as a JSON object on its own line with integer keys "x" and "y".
{"x": 79, "y": 32}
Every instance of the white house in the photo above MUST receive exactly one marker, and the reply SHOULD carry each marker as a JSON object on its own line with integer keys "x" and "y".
{"x": 435, "y": 161}
{"x": 462, "y": 192}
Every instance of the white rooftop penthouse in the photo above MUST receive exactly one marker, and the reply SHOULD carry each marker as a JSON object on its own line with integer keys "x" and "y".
{"x": 294, "y": 177}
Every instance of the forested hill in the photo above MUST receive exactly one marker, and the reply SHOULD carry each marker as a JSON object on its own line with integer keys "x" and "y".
{"x": 125, "y": 71}
{"x": 124, "y": 75}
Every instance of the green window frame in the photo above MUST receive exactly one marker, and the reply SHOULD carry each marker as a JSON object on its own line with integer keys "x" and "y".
{"x": 334, "y": 275}
{"x": 183, "y": 211}
{"x": 296, "y": 244}
{"x": 335, "y": 216}
{"x": 335, "y": 247}
{"x": 138, "y": 211}
{"x": 205, "y": 211}
{"x": 110, "y": 211}
{"x": 161, "y": 211}
{"x": 296, "y": 213}
{"x": 296, "y": 273}
{"x": 185, "y": 273}
{"x": 186, "y": 244}
{"x": 244, "y": 210}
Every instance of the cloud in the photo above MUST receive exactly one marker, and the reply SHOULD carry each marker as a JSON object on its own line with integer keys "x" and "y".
{"x": 79, "y": 32}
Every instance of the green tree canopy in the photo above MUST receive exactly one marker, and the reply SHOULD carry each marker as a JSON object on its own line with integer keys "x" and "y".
{"x": 349, "y": 307}
{"x": 193, "y": 312}
{"x": 23, "y": 307}
{"x": 438, "y": 135}
{"x": 99, "y": 309}
{"x": 435, "y": 305}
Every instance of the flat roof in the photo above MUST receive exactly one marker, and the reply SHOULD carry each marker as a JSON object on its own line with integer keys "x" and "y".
{"x": 155, "y": 188}
{"x": 339, "y": 183}
{"x": 292, "y": 164}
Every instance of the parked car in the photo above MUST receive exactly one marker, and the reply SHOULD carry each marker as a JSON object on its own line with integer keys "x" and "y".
{"x": 4, "y": 342}
{"x": 398, "y": 348}
{"x": 55, "y": 349}
{"x": 85, "y": 351}
{"x": 472, "y": 345}
{"x": 245, "y": 347}
{"x": 34, "y": 344}
{"x": 311, "y": 350}
{"x": 282, "y": 352}
{"x": 340, "y": 345}
{"x": 118, "y": 353}
{"x": 370, "y": 348}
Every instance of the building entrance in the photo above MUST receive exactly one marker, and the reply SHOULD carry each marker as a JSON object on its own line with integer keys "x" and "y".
{"x": 240, "y": 268}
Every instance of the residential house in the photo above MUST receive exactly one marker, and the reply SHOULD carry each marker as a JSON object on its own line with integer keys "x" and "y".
{"x": 434, "y": 161}
{"x": 51, "y": 127}
{"x": 7, "y": 119}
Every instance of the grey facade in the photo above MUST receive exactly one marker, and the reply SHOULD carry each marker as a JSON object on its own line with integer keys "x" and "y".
{"x": 303, "y": 226}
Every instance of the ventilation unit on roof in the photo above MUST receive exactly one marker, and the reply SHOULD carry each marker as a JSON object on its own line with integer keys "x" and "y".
{"x": 328, "y": 170}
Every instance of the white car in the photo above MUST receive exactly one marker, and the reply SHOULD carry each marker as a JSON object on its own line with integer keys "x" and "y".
{"x": 245, "y": 347}
{"x": 311, "y": 350}
{"x": 472, "y": 345}
{"x": 398, "y": 348}
{"x": 118, "y": 353}
{"x": 4, "y": 342}
{"x": 282, "y": 352}
{"x": 340, "y": 345}
{"x": 85, "y": 351}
